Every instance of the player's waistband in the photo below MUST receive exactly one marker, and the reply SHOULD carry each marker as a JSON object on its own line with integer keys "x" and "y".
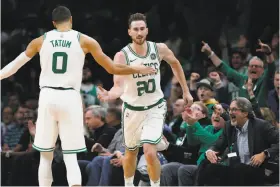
{"x": 57, "y": 88}
{"x": 141, "y": 108}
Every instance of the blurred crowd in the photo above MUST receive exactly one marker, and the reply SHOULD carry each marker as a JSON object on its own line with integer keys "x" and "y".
{"x": 231, "y": 31}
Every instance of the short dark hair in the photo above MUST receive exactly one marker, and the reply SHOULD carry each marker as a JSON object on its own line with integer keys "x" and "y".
{"x": 117, "y": 112}
{"x": 61, "y": 14}
{"x": 245, "y": 105}
{"x": 238, "y": 51}
{"x": 136, "y": 17}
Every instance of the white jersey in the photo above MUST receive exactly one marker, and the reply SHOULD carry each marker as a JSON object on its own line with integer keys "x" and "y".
{"x": 142, "y": 90}
{"x": 62, "y": 60}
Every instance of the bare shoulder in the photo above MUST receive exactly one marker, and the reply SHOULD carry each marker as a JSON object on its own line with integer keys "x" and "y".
{"x": 162, "y": 47}
{"x": 163, "y": 50}
{"x": 88, "y": 44}
{"x": 119, "y": 57}
{"x": 34, "y": 46}
{"x": 37, "y": 42}
{"x": 87, "y": 40}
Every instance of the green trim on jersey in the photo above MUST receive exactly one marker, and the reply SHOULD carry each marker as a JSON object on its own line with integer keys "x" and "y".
{"x": 155, "y": 45}
{"x": 78, "y": 36}
{"x": 141, "y": 108}
{"x": 147, "y": 53}
{"x": 42, "y": 149}
{"x": 126, "y": 57}
{"x": 62, "y": 31}
{"x": 74, "y": 151}
{"x": 151, "y": 141}
{"x": 45, "y": 35}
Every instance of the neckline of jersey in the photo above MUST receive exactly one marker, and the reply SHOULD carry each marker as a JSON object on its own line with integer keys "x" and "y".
{"x": 147, "y": 53}
{"x": 62, "y": 31}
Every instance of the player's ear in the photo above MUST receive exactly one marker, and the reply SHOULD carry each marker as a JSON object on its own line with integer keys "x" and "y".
{"x": 71, "y": 21}
{"x": 54, "y": 24}
{"x": 129, "y": 32}
{"x": 147, "y": 30}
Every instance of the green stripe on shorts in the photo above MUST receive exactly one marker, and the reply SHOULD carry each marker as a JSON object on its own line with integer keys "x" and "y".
{"x": 74, "y": 151}
{"x": 151, "y": 141}
{"x": 42, "y": 149}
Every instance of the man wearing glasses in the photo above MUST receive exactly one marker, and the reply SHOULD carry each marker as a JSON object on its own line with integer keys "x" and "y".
{"x": 251, "y": 141}
{"x": 256, "y": 72}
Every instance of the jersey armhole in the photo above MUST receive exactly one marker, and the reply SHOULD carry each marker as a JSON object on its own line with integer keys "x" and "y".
{"x": 155, "y": 45}
{"x": 126, "y": 56}
{"x": 78, "y": 36}
{"x": 45, "y": 35}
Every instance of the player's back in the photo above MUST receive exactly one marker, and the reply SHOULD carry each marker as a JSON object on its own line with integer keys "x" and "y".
{"x": 62, "y": 60}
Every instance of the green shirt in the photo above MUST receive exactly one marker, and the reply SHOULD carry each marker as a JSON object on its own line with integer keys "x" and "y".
{"x": 260, "y": 85}
{"x": 206, "y": 137}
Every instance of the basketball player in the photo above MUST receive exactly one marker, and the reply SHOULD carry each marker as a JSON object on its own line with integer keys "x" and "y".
{"x": 62, "y": 52}
{"x": 144, "y": 107}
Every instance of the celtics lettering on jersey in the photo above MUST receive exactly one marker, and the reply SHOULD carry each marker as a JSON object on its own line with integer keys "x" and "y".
{"x": 148, "y": 86}
{"x": 142, "y": 90}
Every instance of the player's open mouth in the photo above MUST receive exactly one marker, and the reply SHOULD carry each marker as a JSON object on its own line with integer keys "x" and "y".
{"x": 201, "y": 95}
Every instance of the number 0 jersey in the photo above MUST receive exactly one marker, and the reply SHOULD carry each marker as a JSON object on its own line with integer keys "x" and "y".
{"x": 62, "y": 60}
{"x": 142, "y": 90}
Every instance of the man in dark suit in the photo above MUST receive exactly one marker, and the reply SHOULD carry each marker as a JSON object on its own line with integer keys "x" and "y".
{"x": 250, "y": 142}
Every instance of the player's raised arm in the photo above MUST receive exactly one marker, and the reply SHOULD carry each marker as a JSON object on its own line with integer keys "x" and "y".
{"x": 31, "y": 50}
{"x": 167, "y": 55}
{"x": 117, "y": 90}
{"x": 94, "y": 48}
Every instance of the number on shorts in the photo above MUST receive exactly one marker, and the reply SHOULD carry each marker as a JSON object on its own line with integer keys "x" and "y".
{"x": 64, "y": 62}
{"x": 146, "y": 87}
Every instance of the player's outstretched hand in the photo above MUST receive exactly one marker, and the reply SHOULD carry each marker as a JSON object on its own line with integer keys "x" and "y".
{"x": 188, "y": 99}
{"x": 102, "y": 94}
{"x": 145, "y": 69}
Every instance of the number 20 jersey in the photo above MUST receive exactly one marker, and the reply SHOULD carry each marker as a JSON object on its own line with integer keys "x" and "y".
{"x": 62, "y": 60}
{"x": 142, "y": 90}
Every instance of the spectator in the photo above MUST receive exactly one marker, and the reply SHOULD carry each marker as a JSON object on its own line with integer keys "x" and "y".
{"x": 273, "y": 96}
{"x": 250, "y": 141}
{"x": 205, "y": 93}
{"x": 113, "y": 117}
{"x": 99, "y": 169}
{"x": 100, "y": 132}
{"x": 269, "y": 116}
{"x": 7, "y": 118}
{"x": 186, "y": 174}
{"x": 88, "y": 89}
{"x": 27, "y": 138}
{"x": 255, "y": 72}
{"x": 238, "y": 61}
{"x": 174, "y": 124}
{"x": 14, "y": 131}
